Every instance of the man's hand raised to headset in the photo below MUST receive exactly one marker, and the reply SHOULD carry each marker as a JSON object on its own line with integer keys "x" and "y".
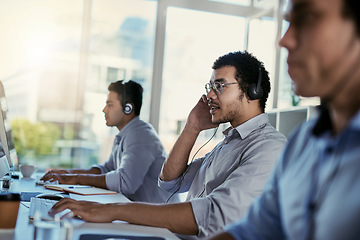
{"x": 200, "y": 117}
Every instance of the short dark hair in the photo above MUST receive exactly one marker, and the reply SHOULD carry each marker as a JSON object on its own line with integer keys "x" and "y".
{"x": 247, "y": 72}
{"x": 133, "y": 93}
{"x": 351, "y": 9}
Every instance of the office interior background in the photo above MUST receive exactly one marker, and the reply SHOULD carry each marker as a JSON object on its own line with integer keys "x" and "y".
{"x": 59, "y": 56}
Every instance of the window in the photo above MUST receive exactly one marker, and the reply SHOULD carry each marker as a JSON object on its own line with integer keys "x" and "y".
{"x": 194, "y": 40}
{"x": 40, "y": 44}
{"x": 240, "y": 2}
{"x": 286, "y": 96}
{"x": 262, "y": 43}
{"x": 57, "y": 63}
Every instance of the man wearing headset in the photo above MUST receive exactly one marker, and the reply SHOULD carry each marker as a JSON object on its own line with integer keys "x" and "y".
{"x": 137, "y": 155}
{"x": 222, "y": 184}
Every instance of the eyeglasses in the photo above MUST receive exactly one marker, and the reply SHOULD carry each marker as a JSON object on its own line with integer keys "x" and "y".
{"x": 217, "y": 87}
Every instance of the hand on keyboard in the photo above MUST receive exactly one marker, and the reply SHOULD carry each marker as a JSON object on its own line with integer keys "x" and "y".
{"x": 65, "y": 214}
{"x": 41, "y": 182}
{"x": 40, "y": 207}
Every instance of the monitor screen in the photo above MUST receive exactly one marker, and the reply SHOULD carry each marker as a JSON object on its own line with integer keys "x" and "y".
{"x": 5, "y": 131}
{"x": 4, "y": 165}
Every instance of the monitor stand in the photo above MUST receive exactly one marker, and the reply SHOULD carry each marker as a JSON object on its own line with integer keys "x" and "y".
{"x": 13, "y": 175}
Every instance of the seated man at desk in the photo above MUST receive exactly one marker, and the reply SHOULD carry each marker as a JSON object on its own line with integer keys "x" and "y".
{"x": 222, "y": 184}
{"x": 137, "y": 154}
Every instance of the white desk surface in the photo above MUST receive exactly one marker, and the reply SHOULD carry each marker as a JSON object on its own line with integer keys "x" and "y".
{"x": 25, "y": 230}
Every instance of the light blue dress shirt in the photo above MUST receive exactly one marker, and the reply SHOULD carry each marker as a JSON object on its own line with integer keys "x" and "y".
{"x": 223, "y": 184}
{"x": 135, "y": 163}
{"x": 314, "y": 192}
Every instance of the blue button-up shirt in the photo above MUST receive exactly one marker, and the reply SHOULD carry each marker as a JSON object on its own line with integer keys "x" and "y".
{"x": 223, "y": 184}
{"x": 314, "y": 192}
{"x": 135, "y": 163}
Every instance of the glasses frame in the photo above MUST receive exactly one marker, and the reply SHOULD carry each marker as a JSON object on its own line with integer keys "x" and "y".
{"x": 217, "y": 87}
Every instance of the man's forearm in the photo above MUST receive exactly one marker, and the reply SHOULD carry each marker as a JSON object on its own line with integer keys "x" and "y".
{"x": 96, "y": 180}
{"x": 178, "y": 218}
{"x": 178, "y": 157}
{"x": 93, "y": 170}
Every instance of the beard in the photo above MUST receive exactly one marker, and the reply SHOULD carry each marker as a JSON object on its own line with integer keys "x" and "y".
{"x": 233, "y": 113}
{"x": 229, "y": 116}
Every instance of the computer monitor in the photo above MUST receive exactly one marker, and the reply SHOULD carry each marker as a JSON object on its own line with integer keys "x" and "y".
{"x": 5, "y": 132}
{"x": 4, "y": 165}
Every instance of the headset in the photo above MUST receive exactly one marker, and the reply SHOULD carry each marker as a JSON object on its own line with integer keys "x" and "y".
{"x": 127, "y": 107}
{"x": 255, "y": 91}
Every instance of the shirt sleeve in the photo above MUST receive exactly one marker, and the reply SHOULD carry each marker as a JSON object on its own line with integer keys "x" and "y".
{"x": 139, "y": 151}
{"x": 183, "y": 182}
{"x": 234, "y": 196}
{"x": 108, "y": 165}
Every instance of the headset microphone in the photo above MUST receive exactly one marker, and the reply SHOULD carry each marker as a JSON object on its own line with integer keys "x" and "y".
{"x": 255, "y": 91}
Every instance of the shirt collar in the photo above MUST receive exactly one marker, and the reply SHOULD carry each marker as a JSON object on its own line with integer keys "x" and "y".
{"x": 250, "y": 125}
{"x": 129, "y": 126}
{"x": 355, "y": 122}
{"x": 324, "y": 124}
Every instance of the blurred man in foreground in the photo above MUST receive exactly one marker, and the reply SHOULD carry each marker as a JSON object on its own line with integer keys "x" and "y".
{"x": 314, "y": 190}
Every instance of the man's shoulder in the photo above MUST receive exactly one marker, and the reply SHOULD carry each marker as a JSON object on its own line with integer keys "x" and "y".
{"x": 257, "y": 127}
{"x": 141, "y": 131}
{"x": 142, "y": 126}
{"x": 270, "y": 133}
{"x": 303, "y": 131}
{"x": 300, "y": 141}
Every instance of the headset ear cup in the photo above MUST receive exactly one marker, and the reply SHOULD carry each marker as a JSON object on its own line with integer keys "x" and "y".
{"x": 128, "y": 108}
{"x": 253, "y": 93}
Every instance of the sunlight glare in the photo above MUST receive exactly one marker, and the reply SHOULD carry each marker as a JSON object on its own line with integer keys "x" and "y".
{"x": 38, "y": 46}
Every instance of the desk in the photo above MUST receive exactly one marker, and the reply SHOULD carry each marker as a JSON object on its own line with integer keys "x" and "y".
{"x": 25, "y": 230}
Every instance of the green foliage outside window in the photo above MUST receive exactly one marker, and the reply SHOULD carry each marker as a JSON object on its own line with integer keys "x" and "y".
{"x": 32, "y": 140}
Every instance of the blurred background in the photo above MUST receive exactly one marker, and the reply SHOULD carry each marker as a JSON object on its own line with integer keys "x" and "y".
{"x": 57, "y": 58}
